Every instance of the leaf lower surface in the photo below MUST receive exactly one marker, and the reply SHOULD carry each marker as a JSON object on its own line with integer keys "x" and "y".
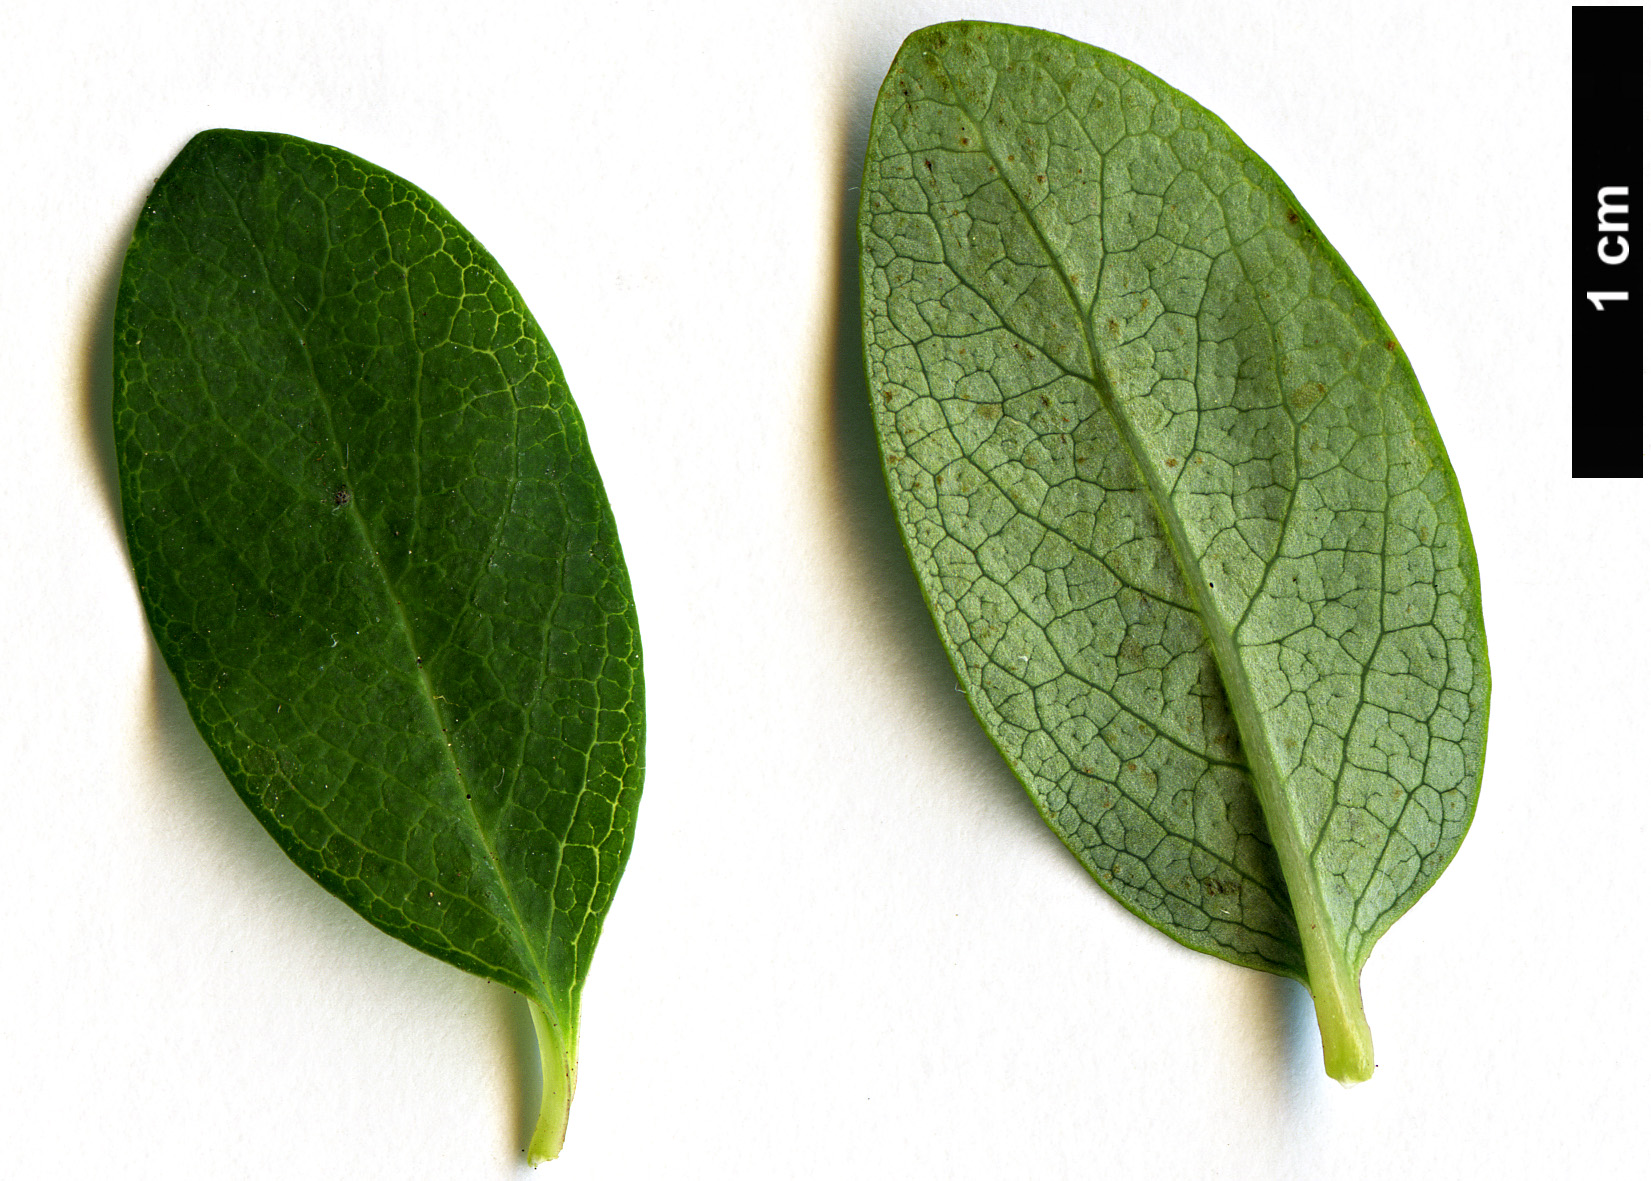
{"x": 1175, "y": 499}
{"x": 376, "y": 554}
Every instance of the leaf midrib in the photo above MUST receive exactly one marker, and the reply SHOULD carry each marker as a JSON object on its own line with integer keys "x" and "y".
{"x": 1306, "y": 898}
{"x": 428, "y": 696}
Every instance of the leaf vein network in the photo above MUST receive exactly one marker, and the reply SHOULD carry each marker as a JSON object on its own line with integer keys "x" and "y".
{"x": 491, "y": 855}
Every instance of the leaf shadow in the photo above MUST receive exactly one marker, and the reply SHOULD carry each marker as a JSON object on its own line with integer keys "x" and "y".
{"x": 1282, "y": 1009}
{"x": 1284, "y": 1032}
{"x": 97, "y": 358}
{"x": 515, "y": 1023}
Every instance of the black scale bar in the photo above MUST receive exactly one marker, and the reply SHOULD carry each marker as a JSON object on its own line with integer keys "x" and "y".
{"x": 1608, "y": 210}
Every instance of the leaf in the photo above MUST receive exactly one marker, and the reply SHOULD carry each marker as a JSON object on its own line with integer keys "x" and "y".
{"x": 1176, "y": 502}
{"x": 375, "y": 552}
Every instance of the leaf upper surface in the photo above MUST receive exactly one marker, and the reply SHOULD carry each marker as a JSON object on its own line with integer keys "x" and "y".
{"x": 376, "y": 554}
{"x": 1173, "y": 494}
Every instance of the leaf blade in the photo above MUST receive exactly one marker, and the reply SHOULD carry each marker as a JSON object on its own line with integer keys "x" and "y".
{"x": 1107, "y": 445}
{"x": 375, "y": 553}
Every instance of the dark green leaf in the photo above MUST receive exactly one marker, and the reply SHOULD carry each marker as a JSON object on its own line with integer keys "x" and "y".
{"x": 376, "y": 554}
{"x": 1176, "y": 501}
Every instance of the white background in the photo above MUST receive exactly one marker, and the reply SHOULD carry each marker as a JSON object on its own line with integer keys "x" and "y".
{"x": 846, "y": 946}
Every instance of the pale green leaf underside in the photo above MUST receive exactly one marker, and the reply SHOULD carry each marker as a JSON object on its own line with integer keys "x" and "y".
{"x": 1172, "y": 492}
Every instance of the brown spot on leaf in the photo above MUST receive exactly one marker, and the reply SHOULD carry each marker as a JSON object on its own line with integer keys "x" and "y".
{"x": 1213, "y": 886}
{"x": 1307, "y": 394}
